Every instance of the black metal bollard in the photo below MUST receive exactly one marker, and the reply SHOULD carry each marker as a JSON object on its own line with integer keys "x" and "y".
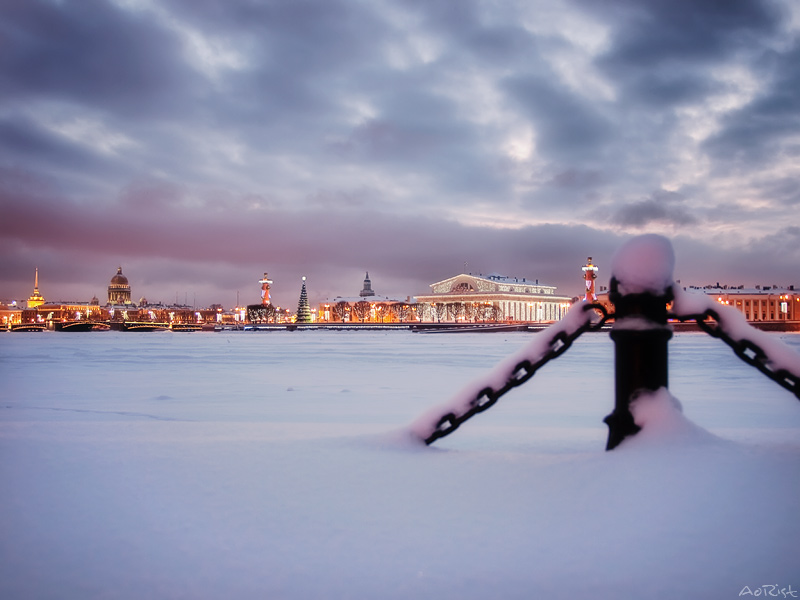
{"x": 640, "y": 354}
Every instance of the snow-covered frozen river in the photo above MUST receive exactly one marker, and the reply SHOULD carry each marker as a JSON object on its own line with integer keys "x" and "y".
{"x": 275, "y": 465}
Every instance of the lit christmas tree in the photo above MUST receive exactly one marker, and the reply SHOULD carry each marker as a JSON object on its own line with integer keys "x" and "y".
{"x": 303, "y": 310}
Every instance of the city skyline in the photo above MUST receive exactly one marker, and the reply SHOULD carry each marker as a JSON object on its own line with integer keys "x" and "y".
{"x": 136, "y": 299}
{"x": 200, "y": 144}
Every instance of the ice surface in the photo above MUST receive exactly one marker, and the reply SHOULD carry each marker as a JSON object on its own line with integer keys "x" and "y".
{"x": 168, "y": 465}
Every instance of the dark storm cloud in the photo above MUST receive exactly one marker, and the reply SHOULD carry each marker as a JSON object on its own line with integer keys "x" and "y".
{"x": 298, "y": 56}
{"x": 25, "y": 142}
{"x": 568, "y": 127}
{"x": 645, "y": 212}
{"x": 577, "y": 179}
{"x": 28, "y": 141}
{"x": 485, "y": 32}
{"x": 310, "y": 63}
{"x": 670, "y": 88}
{"x": 659, "y": 33}
{"x": 656, "y": 59}
{"x": 413, "y": 125}
{"x": 664, "y": 51}
{"x": 661, "y": 207}
{"x": 332, "y": 24}
{"x": 666, "y": 55}
{"x": 785, "y": 190}
{"x": 766, "y": 127}
{"x": 764, "y": 260}
{"x": 662, "y": 47}
{"x": 89, "y": 52}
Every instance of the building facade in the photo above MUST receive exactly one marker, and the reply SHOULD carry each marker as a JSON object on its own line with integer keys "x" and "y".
{"x": 468, "y": 297}
{"x": 10, "y": 314}
{"x": 367, "y": 307}
{"x": 72, "y": 311}
{"x": 767, "y": 304}
{"x": 119, "y": 290}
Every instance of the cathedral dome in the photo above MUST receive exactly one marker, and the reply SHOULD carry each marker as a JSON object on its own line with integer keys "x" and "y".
{"x": 119, "y": 279}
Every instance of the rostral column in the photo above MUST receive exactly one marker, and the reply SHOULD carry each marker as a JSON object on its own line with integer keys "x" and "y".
{"x": 265, "y": 283}
{"x": 590, "y": 274}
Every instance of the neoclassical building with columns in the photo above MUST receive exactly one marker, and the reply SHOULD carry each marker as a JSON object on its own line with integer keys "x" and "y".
{"x": 493, "y": 297}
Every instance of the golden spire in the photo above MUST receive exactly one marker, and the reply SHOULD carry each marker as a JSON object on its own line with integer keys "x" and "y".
{"x": 36, "y": 298}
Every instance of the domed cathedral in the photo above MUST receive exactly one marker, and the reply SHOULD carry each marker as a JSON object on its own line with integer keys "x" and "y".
{"x": 119, "y": 291}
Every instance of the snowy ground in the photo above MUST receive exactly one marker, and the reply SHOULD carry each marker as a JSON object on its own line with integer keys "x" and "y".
{"x": 274, "y": 465}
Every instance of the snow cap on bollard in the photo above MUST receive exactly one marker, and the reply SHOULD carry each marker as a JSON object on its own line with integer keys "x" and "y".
{"x": 644, "y": 264}
{"x": 641, "y": 285}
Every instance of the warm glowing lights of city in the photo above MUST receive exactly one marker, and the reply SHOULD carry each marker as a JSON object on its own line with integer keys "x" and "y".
{"x": 462, "y": 300}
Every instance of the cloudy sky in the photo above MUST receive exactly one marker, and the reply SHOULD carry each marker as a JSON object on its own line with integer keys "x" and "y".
{"x": 200, "y": 143}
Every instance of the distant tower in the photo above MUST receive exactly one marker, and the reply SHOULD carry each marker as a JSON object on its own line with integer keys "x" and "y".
{"x": 36, "y": 298}
{"x": 590, "y": 274}
{"x": 303, "y": 310}
{"x": 265, "y": 283}
{"x": 119, "y": 291}
{"x": 367, "y": 291}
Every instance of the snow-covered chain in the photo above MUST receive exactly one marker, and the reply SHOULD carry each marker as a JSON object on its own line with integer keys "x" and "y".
{"x": 642, "y": 272}
{"x": 767, "y": 353}
{"x": 511, "y": 372}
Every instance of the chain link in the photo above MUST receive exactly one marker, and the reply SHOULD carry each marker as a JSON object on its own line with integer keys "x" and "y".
{"x": 524, "y": 370}
{"x": 747, "y": 350}
{"x": 560, "y": 342}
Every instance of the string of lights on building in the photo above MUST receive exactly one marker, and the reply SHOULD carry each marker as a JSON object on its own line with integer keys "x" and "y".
{"x": 462, "y": 299}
